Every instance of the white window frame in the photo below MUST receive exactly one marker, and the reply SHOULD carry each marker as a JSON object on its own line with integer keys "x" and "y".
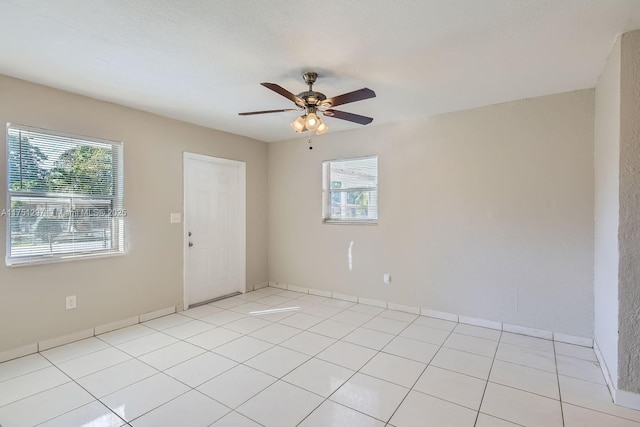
{"x": 327, "y": 191}
{"x": 117, "y": 211}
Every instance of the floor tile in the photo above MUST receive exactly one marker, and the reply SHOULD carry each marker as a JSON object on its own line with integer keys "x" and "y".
{"x": 524, "y": 378}
{"x": 188, "y": 329}
{"x": 369, "y": 338}
{"x": 125, "y": 334}
{"x": 333, "y": 329}
{"x": 228, "y": 303}
{"x": 485, "y": 420}
{"x": 277, "y": 361}
{"x": 234, "y": 419}
{"x": 165, "y": 322}
{"x": 333, "y": 414}
{"x": 200, "y": 369}
{"x": 371, "y": 396}
{"x": 275, "y": 315}
{"x": 213, "y": 338}
{"x": 308, "y": 343}
{"x": 201, "y": 311}
{"x": 146, "y": 344}
{"x": 452, "y": 386}
{"x": 50, "y": 404}
{"x": 222, "y": 317}
{"x": 352, "y": 317}
{"x": 275, "y": 333}
{"x": 432, "y": 322}
{"x": 399, "y": 315}
{"x": 73, "y": 350}
{"x": 23, "y": 365}
{"x": 463, "y": 362}
{"x": 273, "y": 300}
{"x": 579, "y": 368}
{"x": 367, "y": 309}
{"x": 477, "y": 331}
{"x": 322, "y": 310}
{"x": 424, "y": 333}
{"x": 243, "y": 348}
{"x": 337, "y": 303}
{"x": 576, "y": 351}
{"x": 593, "y": 396}
{"x": 192, "y": 409}
{"x": 143, "y": 396}
{"x": 171, "y": 355}
{"x": 291, "y": 294}
{"x": 280, "y": 405}
{"x": 394, "y": 369}
{"x": 92, "y": 414}
{"x": 246, "y": 325}
{"x": 116, "y": 377}
{"x": 526, "y": 357}
{"x": 350, "y": 356}
{"x": 471, "y": 344}
{"x": 532, "y": 343}
{"x": 253, "y": 296}
{"x": 418, "y": 406}
{"x": 411, "y": 349}
{"x": 93, "y": 362}
{"x": 313, "y": 298}
{"x": 318, "y": 376}
{"x": 383, "y": 324}
{"x": 29, "y": 384}
{"x": 575, "y": 416}
{"x": 251, "y": 307}
{"x": 301, "y": 321}
{"x": 521, "y": 407}
{"x": 237, "y": 385}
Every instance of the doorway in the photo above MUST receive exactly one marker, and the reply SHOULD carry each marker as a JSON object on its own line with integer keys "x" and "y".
{"x": 214, "y": 228}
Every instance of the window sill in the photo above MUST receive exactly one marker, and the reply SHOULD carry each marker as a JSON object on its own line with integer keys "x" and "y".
{"x": 349, "y": 222}
{"x": 54, "y": 259}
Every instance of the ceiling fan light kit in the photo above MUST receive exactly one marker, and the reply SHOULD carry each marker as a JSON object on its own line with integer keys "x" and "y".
{"x": 311, "y": 102}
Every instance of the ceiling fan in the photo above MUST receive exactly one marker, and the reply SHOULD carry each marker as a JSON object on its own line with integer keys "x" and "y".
{"x": 311, "y": 102}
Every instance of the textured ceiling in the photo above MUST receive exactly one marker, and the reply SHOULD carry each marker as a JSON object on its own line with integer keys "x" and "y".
{"x": 201, "y": 61}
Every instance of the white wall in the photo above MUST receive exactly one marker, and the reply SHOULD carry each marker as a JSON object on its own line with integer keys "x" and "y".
{"x": 607, "y": 168}
{"x": 486, "y": 213}
{"x": 150, "y": 277}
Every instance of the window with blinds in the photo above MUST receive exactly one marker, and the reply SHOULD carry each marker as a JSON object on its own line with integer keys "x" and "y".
{"x": 65, "y": 196}
{"x": 350, "y": 190}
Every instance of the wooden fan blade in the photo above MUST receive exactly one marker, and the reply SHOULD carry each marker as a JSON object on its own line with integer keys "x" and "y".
{"x": 251, "y": 113}
{"x": 356, "y": 95}
{"x": 282, "y": 91}
{"x": 356, "y": 118}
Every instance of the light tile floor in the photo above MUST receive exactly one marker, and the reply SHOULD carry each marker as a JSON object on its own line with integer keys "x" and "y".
{"x": 309, "y": 361}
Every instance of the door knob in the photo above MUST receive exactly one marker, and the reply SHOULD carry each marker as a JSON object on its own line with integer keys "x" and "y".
{"x": 190, "y": 244}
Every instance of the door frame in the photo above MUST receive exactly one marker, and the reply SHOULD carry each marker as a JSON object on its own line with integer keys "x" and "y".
{"x": 242, "y": 219}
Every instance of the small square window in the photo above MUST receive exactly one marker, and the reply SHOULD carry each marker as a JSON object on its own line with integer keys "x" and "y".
{"x": 350, "y": 190}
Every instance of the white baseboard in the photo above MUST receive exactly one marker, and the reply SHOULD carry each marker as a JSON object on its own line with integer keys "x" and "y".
{"x": 523, "y": 330}
{"x": 157, "y": 313}
{"x": 483, "y": 323}
{"x": 14, "y": 353}
{"x": 627, "y": 399}
{"x": 260, "y": 286}
{"x": 491, "y": 324}
{"x": 65, "y": 339}
{"x": 372, "y": 302}
{"x": 439, "y": 315}
{"x": 571, "y": 339}
{"x": 604, "y": 368}
{"x": 83, "y": 334}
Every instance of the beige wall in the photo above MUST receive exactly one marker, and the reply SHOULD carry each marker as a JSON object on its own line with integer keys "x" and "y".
{"x": 485, "y": 213}
{"x": 150, "y": 276}
{"x": 607, "y": 167}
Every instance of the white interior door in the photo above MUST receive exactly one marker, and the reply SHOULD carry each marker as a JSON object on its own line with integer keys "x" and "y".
{"x": 214, "y": 206}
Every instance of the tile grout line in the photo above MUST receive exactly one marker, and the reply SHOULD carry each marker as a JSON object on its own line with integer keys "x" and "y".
{"x": 555, "y": 359}
{"x": 486, "y": 385}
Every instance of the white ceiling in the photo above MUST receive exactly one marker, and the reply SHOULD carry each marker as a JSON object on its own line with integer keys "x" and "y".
{"x": 201, "y": 61}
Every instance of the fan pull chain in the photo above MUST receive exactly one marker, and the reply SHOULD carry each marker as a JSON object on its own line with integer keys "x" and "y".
{"x": 309, "y": 141}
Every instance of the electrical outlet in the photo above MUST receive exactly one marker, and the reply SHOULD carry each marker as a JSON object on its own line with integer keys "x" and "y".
{"x": 386, "y": 278}
{"x": 71, "y": 302}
